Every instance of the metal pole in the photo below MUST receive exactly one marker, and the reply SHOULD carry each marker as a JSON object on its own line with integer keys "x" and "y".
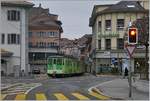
{"x": 32, "y": 64}
{"x": 130, "y": 81}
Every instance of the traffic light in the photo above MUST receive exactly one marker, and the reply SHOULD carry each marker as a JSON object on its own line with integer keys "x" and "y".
{"x": 132, "y": 36}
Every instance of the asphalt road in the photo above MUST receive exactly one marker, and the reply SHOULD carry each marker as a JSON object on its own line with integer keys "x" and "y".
{"x": 70, "y": 88}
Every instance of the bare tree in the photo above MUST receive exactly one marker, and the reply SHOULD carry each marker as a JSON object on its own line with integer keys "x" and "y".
{"x": 143, "y": 38}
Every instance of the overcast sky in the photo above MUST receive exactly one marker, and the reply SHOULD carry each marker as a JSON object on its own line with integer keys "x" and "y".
{"x": 74, "y": 14}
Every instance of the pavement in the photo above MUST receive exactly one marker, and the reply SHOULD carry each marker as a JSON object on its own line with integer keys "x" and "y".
{"x": 119, "y": 89}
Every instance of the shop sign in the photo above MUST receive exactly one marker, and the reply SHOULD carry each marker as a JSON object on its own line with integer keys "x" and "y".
{"x": 106, "y": 53}
{"x": 108, "y": 34}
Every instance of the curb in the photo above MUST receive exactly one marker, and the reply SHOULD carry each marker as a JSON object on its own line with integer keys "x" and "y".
{"x": 96, "y": 90}
{"x": 5, "y": 88}
{"x": 139, "y": 89}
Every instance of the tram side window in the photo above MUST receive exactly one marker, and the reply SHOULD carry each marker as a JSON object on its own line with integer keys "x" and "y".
{"x": 50, "y": 61}
{"x": 72, "y": 63}
{"x": 63, "y": 60}
{"x": 67, "y": 62}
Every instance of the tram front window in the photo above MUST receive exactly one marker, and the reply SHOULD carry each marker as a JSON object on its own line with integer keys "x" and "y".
{"x": 54, "y": 61}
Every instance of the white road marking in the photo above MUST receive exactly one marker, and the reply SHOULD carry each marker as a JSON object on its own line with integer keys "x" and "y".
{"x": 33, "y": 88}
{"x": 95, "y": 87}
{"x": 24, "y": 87}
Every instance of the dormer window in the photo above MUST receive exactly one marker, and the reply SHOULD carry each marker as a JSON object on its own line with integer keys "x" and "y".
{"x": 130, "y": 6}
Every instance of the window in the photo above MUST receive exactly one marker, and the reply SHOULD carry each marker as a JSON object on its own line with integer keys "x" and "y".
{"x": 99, "y": 44}
{"x": 52, "y": 33}
{"x": 41, "y": 34}
{"x": 120, "y": 24}
{"x": 44, "y": 34}
{"x": 38, "y": 44}
{"x": 38, "y": 34}
{"x": 120, "y": 43}
{"x": 13, "y": 39}
{"x": 52, "y": 43}
{"x": 107, "y": 25}
{"x": 108, "y": 43}
{"x": 54, "y": 61}
{"x": 30, "y": 34}
{"x": 99, "y": 26}
{"x": 57, "y": 34}
{"x": 3, "y": 38}
{"x": 45, "y": 44}
{"x": 30, "y": 44}
{"x": 48, "y": 44}
{"x": 13, "y": 15}
{"x": 59, "y": 61}
{"x": 49, "y": 34}
{"x": 130, "y": 6}
{"x": 55, "y": 44}
{"x": 18, "y": 39}
{"x": 8, "y": 38}
{"x": 50, "y": 61}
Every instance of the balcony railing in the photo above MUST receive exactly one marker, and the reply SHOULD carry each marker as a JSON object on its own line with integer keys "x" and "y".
{"x": 38, "y": 62}
{"x": 43, "y": 47}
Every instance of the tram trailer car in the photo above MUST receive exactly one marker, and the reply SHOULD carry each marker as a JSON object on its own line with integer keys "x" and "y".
{"x": 62, "y": 66}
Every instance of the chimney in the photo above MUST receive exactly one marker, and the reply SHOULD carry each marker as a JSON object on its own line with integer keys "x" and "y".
{"x": 40, "y": 5}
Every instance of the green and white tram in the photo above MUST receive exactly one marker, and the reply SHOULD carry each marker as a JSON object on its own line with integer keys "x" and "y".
{"x": 64, "y": 66}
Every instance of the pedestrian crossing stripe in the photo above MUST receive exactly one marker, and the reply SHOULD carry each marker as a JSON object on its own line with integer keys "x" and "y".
{"x": 80, "y": 97}
{"x": 40, "y": 96}
{"x": 99, "y": 96}
{"x": 60, "y": 96}
{"x": 20, "y": 97}
{"x": 2, "y": 96}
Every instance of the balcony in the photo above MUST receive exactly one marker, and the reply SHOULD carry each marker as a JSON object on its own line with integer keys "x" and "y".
{"x": 44, "y": 47}
{"x": 38, "y": 62}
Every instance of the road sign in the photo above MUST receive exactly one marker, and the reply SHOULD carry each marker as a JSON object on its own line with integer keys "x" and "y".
{"x": 114, "y": 60}
{"x": 130, "y": 49}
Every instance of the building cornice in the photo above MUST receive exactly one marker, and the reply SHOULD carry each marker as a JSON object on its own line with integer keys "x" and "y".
{"x": 17, "y": 4}
{"x": 121, "y": 7}
{"x": 93, "y": 18}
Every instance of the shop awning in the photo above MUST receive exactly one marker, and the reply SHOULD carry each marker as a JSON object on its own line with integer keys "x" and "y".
{"x": 5, "y": 53}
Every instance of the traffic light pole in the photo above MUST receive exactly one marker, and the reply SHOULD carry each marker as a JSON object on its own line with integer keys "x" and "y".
{"x": 132, "y": 39}
{"x": 130, "y": 79}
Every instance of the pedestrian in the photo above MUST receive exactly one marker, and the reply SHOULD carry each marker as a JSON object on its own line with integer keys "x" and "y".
{"x": 126, "y": 72}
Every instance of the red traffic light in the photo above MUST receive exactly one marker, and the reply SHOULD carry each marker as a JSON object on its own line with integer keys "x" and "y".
{"x": 132, "y": 36}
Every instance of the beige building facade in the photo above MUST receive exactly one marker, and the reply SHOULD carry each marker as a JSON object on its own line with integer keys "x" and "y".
{"x": 109, "y": 23}
{"x": 44, "y": 37}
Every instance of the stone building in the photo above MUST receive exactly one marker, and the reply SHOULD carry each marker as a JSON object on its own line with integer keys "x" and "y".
{"x": 44, "y": 36}
{"x": 109, "y": 24}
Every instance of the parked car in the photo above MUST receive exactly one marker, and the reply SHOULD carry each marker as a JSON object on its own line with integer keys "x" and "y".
{"x": 36, "y": 71}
